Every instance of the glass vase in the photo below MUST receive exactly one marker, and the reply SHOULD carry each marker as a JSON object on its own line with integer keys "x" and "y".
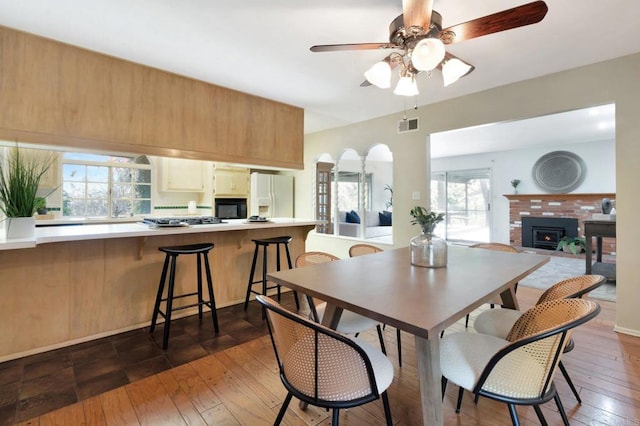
{"x": 428, "y": 250}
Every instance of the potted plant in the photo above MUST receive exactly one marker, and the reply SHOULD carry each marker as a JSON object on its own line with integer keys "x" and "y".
{"x": 427, "y": 250}
{"x": 41, "y": 205}
{"x": 515, "y": 183}
{"x": 572, "y": 245}
{"x": 20, "y": 176}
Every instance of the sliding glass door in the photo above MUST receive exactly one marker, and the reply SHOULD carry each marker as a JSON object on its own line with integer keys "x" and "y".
{"x": 465, "y": 197}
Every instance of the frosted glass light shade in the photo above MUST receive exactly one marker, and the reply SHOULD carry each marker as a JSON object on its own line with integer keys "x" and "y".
{"x": 379, "y": 75}
{"x": 427, "y": 54}
{"x": 406, "y": 87}
{"x": 453, "y": 69}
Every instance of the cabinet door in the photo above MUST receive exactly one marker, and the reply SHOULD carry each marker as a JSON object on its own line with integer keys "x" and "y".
{"x": 51, "y": 88}
{"x": 231, "y": 182}
{"x": 51, "y": 179}
{"x": 182, "y": 175}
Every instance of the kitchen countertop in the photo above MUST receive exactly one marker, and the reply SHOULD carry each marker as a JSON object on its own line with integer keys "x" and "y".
{"x": 55, "y": 234}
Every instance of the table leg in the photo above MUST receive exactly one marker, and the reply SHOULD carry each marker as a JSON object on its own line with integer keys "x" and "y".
{"x": 331, "y": 317}
{"x": 509, "y": 300}
{"x": 429, "y": 376}
{"x": 598, "y": 249}
{"x": 587, "y": 257}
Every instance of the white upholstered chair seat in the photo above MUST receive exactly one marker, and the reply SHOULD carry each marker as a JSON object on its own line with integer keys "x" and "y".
{"x": 463, "y": 356}
{"x": 350, "y": 322}
{"x": 496, "y": 322}
{"x": 382, "y": 367}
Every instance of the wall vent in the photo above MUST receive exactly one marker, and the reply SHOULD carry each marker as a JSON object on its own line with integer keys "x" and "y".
{"x": 410, "y": 125}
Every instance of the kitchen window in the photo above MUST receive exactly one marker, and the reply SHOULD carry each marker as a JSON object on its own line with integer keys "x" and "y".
{"x": 105, "y": 186}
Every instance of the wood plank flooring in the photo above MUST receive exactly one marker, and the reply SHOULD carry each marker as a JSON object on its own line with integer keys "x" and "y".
{"x": 240, "y": 386}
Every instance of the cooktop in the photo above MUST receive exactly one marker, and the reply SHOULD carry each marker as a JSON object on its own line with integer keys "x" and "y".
{"x": 181, "y": 221}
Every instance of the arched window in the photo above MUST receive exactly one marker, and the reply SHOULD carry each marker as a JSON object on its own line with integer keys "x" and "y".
{"x": 363, "y": 194}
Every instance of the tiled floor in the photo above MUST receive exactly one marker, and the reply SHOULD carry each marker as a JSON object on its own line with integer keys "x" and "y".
{"x": 41, "y": 383}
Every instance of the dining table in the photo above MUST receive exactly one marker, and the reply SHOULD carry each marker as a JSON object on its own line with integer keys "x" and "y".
{"x": 422, "y": 301}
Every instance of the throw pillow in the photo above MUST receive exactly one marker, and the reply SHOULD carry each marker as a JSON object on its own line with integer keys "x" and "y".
{"x": 385, "y": 218}
{"x": 353, "y": 217}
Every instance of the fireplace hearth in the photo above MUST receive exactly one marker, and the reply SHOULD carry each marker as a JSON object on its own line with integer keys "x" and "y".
{"x": 546, "y": 232}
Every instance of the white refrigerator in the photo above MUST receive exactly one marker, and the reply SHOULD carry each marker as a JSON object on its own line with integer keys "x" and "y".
{"x": 271, "y": 195}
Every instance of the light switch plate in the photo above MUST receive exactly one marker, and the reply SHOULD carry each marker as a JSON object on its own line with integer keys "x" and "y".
{"x": 415, "y": 195}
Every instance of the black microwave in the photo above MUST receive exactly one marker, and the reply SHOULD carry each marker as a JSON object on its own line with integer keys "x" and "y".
{"x": 231, "y": 208}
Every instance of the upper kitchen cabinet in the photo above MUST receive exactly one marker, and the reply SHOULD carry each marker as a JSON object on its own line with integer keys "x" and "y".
{"x": 230, "y": 181}
{"x": 60, "y": 92}
{"x": 179, "y": 112}
{"x": 180, "y": 175}
{"x": 259, "y": 131}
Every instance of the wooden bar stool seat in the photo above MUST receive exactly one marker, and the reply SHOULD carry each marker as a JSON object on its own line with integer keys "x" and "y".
{"x": 172, "y": 253}
{"x": 264, "y": 243}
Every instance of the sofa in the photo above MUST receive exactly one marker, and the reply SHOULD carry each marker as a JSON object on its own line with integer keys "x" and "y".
{"x": 348, "y": 227}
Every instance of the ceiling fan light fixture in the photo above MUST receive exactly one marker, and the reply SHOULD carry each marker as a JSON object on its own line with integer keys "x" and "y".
{"x": 379, "y": 75}
{"x": 406, "y": 86}
{"x": 427, "y": 54}
{"x": 453, "y": 69}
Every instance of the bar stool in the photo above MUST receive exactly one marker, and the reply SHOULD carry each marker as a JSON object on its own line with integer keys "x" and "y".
{"x": 265, "y": 243}
{"x": 172, "y": 253}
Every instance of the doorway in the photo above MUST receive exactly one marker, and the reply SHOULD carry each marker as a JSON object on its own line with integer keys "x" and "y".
{"x": 465, "y": 198}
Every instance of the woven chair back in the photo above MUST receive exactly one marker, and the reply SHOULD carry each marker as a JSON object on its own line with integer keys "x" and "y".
{"x": 573, "y": 287}
{"x": 362, "y": 249}
{"x": 317, "y": 364}
{"x": 314, "y": 257}
{"x": 525, "y": 368}
{"x": 496, "y": 246}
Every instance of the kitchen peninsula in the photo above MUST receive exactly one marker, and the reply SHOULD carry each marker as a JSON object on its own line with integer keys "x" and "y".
{"x": 71, "y": 284}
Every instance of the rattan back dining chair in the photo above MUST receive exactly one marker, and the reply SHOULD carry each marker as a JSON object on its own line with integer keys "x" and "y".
{"x": 497, "y": 247}
{"x": 518, "y": 370}
{"x": 324, "y": 368}
{"x": 362, "y": 249}
{"x": 350, "y": 322}
{"x": 499, "y": 322}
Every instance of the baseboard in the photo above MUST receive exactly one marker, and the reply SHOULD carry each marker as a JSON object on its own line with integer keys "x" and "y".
{"x": 625, "y": 330}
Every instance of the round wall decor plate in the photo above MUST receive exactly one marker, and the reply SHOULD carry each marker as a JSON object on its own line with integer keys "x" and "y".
{"x": 559, "y": 171}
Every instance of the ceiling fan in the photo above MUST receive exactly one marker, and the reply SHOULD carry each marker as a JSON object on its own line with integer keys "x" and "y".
{"x": 419, "y": 34}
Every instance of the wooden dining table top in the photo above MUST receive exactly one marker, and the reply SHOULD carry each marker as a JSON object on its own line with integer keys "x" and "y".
{"x": 422, "y": 301}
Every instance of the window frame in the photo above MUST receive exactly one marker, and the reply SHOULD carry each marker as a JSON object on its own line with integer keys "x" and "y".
{"x": 110, "y": 165}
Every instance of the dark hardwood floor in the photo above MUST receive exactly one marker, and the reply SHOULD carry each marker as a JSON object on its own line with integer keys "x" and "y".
{"x": 44, "y": 382}
{"x": 213, "y": 380}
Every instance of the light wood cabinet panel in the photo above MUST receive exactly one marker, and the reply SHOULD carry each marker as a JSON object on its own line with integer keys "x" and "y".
{"x": 182, "y": 175}
{"x": 57, "y": 89}
{"x": 178, "y": 112}
{"x": 232, "y": 110}
{"x": 58, "y": 94}
{"x": 289, "y": 128}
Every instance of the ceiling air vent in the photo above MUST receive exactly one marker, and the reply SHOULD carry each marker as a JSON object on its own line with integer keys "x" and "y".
{"x": 410, "y": 125}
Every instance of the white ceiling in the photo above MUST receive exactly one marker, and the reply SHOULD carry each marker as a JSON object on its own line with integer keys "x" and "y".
{"x": 579, "y": 126}
{"x": 262, "y": 46}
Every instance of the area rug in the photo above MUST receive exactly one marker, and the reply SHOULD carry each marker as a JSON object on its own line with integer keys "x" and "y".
{"x": 559, "y": 268}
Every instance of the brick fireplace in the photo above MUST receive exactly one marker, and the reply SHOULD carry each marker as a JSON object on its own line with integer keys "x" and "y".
{"x": 576, "y": 206}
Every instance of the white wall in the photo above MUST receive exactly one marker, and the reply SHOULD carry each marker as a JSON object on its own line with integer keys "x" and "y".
{"x": 615, "y": 81}
{"x": 599, "y": 158}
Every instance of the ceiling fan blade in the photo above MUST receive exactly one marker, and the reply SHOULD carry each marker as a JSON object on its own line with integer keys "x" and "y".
{"x": 354, "y": 46}
{"x": 527, "y": 14}
{"x": 417, "y": 13}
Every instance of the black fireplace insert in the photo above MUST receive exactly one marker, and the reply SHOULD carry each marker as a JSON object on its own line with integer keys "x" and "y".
{"x": 546, "y": 232}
